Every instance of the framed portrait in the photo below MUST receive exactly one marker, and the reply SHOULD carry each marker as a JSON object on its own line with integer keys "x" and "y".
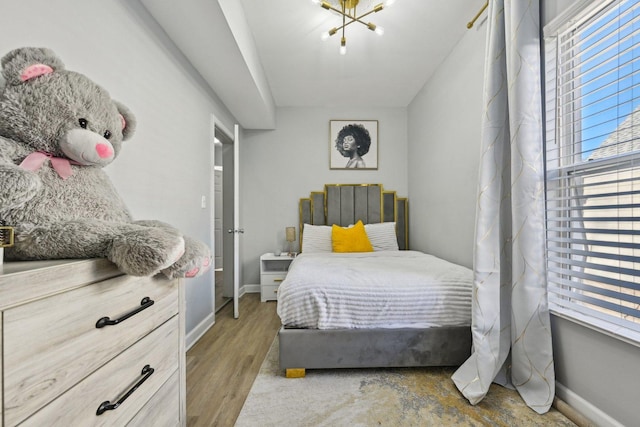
{"x": 353, "y": 144}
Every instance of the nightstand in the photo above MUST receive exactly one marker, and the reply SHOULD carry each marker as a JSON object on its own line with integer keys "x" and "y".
{"x": 273, "y": 270}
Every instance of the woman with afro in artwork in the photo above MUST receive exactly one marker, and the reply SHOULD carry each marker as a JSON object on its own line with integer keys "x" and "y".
{"x": 353, "y": 141}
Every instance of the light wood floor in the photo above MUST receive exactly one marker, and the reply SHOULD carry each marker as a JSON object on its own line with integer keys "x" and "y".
{"x": 222, "y": 365}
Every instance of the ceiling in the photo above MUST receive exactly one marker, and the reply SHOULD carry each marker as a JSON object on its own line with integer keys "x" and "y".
{"x": 261, "y": 54}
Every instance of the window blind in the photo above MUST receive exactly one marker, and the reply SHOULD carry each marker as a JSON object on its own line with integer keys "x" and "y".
{"x": 592, "y": 139}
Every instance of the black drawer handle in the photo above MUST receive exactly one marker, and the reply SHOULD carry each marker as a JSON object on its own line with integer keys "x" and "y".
{"x": 105, "y": 406}
{"x": 144, "y": 304}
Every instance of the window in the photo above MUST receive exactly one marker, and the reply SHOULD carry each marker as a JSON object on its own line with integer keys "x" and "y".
{"x": 592, "y": 95}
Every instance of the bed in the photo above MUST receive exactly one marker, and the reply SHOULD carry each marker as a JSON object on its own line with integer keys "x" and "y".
{"x": 392, "y": 307}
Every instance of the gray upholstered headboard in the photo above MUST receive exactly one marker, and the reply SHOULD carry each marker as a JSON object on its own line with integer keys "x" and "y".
{"x": 345, "y": 204}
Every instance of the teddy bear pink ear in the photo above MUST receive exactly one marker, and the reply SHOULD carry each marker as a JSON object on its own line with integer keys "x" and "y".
{"x": 127, "y": 120}
{"x": 35, "y": 70}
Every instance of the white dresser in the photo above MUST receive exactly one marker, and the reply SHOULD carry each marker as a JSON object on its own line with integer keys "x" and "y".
{"x": 273, "y": 270}
{"x": 83, "y": 345}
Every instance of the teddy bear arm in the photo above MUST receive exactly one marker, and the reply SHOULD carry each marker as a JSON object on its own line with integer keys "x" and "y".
{"x": 18, "y": 186}
{"x": 155, "y": 223}
{"x": 64, "y": 239}
{"x": 137, "y": 250}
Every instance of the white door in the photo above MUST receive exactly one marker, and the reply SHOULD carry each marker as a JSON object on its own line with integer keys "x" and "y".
{"x": 236, "y": 220}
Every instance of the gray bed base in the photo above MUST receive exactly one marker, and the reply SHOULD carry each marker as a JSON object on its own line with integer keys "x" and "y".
{"x": 373, "y": 348}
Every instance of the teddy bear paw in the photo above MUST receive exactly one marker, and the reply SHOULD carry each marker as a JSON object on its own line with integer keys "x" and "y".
{"x": 194, "y": 268}
{"x": 146, "y": 252}
{"x": 202, "y": 268}
{"x": 195, "y": 261}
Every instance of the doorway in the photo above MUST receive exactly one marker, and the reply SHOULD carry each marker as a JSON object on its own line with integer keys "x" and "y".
{"x": 223, "y": 217}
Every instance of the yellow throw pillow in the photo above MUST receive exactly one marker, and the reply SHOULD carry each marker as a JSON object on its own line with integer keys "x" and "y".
{"x": 352, "y": 239}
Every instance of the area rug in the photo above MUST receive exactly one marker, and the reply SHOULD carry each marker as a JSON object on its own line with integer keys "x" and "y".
{"x": 379, "y": 397}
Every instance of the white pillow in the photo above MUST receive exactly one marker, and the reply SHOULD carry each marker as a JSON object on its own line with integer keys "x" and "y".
{"x": 316, "y": 238}
{"x": 382, "y": 236}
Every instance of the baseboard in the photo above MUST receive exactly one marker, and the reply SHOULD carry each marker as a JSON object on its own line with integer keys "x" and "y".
{"x": 594, "y": 415}
{"x": 196, "y": 333}
{"x": 250, "y": 289}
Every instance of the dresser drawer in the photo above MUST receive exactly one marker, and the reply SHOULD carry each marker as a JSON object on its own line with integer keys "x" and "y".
{"x": 79, "y": 405}
{"x": 53, "y": 343}
{"x": 163, "y": 409}
{"x": 268, "y": 292}
{"x": 272, "y": 279}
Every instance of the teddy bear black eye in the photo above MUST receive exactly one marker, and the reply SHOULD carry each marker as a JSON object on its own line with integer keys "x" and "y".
{"x": 107, "y": 134}
{"x": 83, "y": 123}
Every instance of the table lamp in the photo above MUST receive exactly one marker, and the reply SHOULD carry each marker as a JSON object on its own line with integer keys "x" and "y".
{"x": 290, "y": 233}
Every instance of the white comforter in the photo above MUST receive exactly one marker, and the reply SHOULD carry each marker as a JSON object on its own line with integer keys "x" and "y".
{"x": 390, "y": 289}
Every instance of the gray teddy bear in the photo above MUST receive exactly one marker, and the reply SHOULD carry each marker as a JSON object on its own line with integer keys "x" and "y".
{"x": 58, "y": 129}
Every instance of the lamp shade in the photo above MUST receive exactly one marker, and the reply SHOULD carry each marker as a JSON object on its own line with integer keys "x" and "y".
{"x": 290, "y": 233}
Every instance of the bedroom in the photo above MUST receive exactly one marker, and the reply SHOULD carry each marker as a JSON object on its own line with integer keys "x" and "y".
{"x": 120, "y": 45}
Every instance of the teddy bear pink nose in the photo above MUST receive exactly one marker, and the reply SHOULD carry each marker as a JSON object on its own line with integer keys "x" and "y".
{"x": 104, "y": 150}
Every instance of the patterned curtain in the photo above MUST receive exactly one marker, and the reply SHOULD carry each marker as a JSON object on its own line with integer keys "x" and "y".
{"x": 510, "y": 317}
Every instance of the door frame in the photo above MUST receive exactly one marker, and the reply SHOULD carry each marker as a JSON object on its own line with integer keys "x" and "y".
{"x": 238, "y": 231}
{"x": 216, "y": 125}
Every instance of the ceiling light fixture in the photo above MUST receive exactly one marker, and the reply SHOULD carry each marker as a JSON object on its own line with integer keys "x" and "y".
{"x": 348, "y": 12}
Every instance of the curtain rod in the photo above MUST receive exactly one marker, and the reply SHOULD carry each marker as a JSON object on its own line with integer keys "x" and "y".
{"x": 475, "y": 18}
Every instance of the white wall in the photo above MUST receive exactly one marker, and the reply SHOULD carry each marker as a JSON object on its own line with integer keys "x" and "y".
{"x": 444, "y": 148}
{"x": 281, "y": 166}
{"x": 163, "y": 170}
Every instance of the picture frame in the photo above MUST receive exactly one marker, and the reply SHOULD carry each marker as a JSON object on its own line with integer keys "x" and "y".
{"x": 347, "y": 144}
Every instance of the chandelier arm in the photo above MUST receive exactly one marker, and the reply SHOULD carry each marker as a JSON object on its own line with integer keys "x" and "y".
{"x": 328, "y": 6}
{"x": 341, "y": 27}
{"x": 358, "y": 18}
{"x": 348, "y": 15}
{"x": 366, "y": 24}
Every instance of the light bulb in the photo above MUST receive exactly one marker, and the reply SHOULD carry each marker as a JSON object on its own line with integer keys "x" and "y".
{"x": 343, "y": 50}
{"x": 315, "y": 1}
{"x": 329, "y": 33}
{"x": 379, "y": 30}
{"x": 389, "y": 3}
